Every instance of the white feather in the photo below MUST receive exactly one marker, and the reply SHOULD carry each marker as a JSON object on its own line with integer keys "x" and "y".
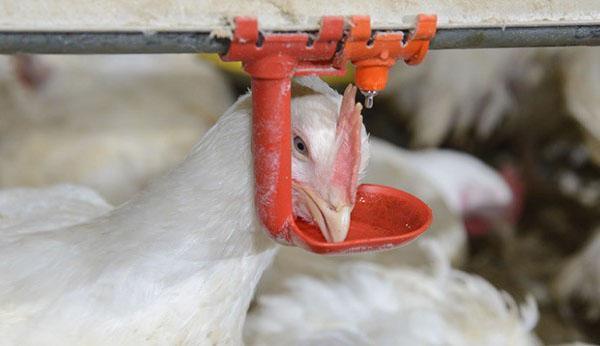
{"x": 25, "y": 210}
{"x": 177, "y": 264}
{"x": 361, "y": 303}
{"x": 453, "y": 91}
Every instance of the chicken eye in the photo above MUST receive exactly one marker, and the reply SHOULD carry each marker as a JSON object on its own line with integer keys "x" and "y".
{"x": 300, "y": 146}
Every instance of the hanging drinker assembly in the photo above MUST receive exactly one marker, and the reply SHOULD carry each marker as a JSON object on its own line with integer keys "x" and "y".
{"x": 383, "y": 217}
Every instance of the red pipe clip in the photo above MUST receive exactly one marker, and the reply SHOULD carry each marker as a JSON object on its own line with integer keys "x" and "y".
{"x": 283, "y": 55}
{"x": 383, "y": 217}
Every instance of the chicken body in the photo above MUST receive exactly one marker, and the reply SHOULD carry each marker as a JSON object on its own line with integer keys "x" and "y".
{"x": 177, "y": 264}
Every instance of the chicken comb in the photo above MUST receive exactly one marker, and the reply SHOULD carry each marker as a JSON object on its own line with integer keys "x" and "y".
{"x": 348, "y": 141}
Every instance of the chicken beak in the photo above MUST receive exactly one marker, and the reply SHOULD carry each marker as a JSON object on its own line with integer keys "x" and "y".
{"x": 334, "y": 221}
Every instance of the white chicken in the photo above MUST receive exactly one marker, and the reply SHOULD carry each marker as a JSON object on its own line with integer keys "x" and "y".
{"x": 453, "y": 91}
{"x": 579, "y": 279}
{"x": 109, "y": 122}
{"x": 179, "y": 262}
{"x": 467, "y": 184}
{"x": 362, "y": 303}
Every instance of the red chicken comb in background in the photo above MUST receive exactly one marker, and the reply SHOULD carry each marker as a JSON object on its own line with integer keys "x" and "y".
{"x": 30, "y": 71}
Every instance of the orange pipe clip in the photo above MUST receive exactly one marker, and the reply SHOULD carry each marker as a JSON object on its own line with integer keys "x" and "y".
{"x": 374, "y": 55}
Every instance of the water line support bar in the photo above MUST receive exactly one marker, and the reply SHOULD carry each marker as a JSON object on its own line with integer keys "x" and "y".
{"x": 110, "y": 42}
{"x": 80, "y": 42}
{"x": 514, "y": 37}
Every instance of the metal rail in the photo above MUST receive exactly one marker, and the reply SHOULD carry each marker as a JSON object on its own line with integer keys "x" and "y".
{"x": 110, "y": 42}
{"x": 202, "y": 42}
{"x": 543, "y": 36}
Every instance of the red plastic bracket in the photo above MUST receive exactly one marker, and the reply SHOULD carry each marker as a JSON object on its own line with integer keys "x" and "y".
{"x": 272, "y": 61}
{"x": 300, "y": 53}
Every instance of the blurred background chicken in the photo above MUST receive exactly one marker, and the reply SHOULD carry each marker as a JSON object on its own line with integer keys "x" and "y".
{"x": 461, "y": 96}
{"x": 362, "y": 303}
{"x": 108, "y": 122}
{"x": 578, "y": 284}
{"x": 533, "y": 114}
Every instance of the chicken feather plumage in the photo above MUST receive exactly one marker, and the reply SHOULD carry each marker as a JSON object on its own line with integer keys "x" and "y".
{"x": 176, "y": 264}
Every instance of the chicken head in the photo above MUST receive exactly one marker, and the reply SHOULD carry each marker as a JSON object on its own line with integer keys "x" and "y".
{"x": 329, "y": 155}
